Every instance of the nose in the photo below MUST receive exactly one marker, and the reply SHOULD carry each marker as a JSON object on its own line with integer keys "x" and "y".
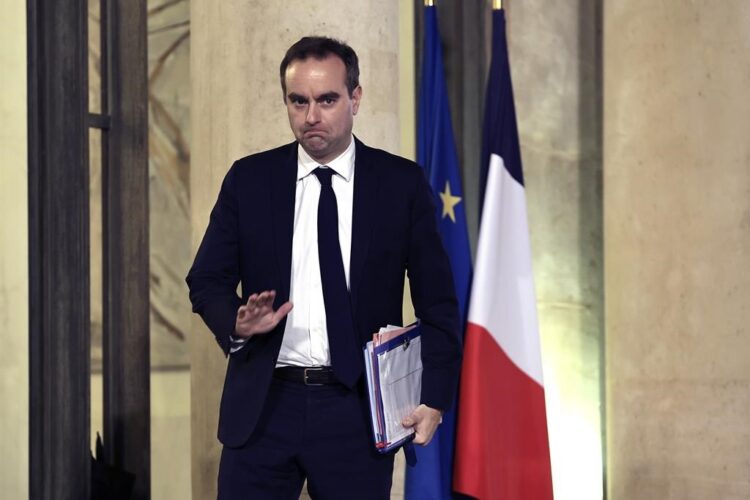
{"x": 313, "y": 114}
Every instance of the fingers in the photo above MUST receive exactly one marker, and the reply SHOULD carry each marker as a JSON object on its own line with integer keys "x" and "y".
{"x": 415, "y": 418}
{"x": 246, "y": 309}
{"x": 425, "y": 421}
{"x": 424, "y": 432}
{"x": 411, "y": 420}
{"x": 260, "y": 301}
{"x": 258, "y": 316}
{"x": 258, "y": 304}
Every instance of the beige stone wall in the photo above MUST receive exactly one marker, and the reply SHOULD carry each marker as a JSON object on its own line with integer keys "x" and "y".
{"x": 237, "y": 109}
{"x": 170, "y": 249}
{"x": 14, "y": 311}
{"x": 169, "y": 179}
{"x": 555, "y": 64}
{"x": 677, "y": 240}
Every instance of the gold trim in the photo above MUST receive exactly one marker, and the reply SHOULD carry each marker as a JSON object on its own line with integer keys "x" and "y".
{"x": 497, "y": 4}
{"x": 429, "y": 3}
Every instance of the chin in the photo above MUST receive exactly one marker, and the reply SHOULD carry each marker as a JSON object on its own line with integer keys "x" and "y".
{"x": 316, "y": 147}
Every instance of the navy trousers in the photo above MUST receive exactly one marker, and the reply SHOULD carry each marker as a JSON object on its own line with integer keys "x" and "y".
{"x": 318, "y": 433}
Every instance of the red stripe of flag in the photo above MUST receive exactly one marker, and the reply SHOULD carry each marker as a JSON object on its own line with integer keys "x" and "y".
{"x": 502, "y": 441}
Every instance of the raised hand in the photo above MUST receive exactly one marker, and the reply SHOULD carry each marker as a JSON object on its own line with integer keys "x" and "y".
{"x": 257, "y": 316}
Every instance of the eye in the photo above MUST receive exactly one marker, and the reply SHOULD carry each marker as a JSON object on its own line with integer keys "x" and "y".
{"x": 327, "y": 100}
{"x": 297, "y": 101}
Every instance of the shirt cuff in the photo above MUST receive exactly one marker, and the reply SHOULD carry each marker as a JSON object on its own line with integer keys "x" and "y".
{"x": 236, "y": 343}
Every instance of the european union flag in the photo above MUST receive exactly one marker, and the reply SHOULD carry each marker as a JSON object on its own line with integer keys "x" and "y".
{"x": 436, "y": 152}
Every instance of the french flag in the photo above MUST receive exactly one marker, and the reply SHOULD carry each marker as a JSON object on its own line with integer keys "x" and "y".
{"x": 502, "y": 447}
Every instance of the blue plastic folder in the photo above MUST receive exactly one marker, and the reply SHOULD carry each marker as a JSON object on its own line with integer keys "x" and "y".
{"x": 393, "y": 362}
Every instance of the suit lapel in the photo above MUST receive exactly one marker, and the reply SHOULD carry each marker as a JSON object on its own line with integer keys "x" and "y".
{"x": 283, "y": 188}
{"x": 366, "y": 180}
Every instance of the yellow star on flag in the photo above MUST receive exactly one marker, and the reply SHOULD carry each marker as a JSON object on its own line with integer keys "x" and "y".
{"x": 449, "y": 201}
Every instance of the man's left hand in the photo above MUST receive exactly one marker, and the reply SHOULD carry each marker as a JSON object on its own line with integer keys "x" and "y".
{"x": 424, "y": 420}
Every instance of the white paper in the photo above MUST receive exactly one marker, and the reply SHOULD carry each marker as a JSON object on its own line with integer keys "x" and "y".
{"x": 394, "y": 383}
{"x": 401, "y": 379}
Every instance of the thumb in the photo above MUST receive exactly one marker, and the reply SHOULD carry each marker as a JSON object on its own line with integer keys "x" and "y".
{"x": 283, "y": 310}
{"x": 411, "y": 420}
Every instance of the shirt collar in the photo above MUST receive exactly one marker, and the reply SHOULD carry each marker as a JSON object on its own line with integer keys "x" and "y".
{"x": 343, "y": 164}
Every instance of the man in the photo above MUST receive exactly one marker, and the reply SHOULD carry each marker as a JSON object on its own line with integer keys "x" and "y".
{"x": 319, "y": 233}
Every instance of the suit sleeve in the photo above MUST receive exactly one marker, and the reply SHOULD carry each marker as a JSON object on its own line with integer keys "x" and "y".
{"x": 434, "y": 298}
{"x": 215, "y": 274}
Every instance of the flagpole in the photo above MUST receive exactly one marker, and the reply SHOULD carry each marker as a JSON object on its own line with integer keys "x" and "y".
{"x": 496, "y": 4}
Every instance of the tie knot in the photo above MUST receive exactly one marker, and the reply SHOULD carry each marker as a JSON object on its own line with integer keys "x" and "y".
{"x": 324, "y": 175}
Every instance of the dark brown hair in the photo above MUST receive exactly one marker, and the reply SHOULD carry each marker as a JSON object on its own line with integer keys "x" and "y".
{"x": 321, "y": 47}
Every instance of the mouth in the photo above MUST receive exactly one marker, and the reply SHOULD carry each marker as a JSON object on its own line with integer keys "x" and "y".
{"x": 313, "y": 133}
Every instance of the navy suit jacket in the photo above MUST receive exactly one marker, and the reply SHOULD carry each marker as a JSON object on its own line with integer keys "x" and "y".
{"x": 249, "y": 241}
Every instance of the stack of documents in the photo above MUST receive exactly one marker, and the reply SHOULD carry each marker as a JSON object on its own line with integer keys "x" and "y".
{"x": 393, "y": 362}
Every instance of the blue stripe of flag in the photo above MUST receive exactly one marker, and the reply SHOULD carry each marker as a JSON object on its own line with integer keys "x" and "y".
{"x": 500, "y": 131}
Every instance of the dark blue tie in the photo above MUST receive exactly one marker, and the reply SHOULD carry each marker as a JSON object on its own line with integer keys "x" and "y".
{"x": 346, "y": 359}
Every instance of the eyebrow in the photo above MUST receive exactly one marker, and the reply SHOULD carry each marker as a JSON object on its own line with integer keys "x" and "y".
{"x": 296, "y": 97}
{"x": 293, "y": 96}
{"x": 328, "y": 95}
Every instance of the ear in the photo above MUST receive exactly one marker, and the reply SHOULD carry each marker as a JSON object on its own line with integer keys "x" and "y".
{"x": 356, "y": 98}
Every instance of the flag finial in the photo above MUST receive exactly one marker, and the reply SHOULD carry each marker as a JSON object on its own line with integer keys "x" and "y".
{"x": 429, "y": 3}
{"x": 497, "y": 4}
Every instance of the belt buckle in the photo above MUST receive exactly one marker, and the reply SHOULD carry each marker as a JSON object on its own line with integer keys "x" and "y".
{"x": 312, "y": 369}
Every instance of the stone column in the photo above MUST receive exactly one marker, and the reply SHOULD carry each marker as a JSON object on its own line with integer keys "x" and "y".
{"x": 14, "y": 262}
{"x": 555, "y": 58}
{"x": 677, "y": 248}
{"x": 237, "y": 109}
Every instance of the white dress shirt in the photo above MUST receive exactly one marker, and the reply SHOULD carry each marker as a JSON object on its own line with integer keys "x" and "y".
{"x": 305, "y": 340}
{"x": 306, "y": 336}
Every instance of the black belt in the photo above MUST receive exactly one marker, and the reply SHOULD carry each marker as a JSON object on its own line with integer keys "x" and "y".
{"x": 316, "y": 375}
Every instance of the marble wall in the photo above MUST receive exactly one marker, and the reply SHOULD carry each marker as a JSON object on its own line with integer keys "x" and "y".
{"x": 677, "y": 248}
{"x": 237, "y": 109}
{"x": 14, "y": 290}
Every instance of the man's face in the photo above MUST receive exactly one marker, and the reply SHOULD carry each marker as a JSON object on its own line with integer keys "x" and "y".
{"x": 321, "y": 113}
